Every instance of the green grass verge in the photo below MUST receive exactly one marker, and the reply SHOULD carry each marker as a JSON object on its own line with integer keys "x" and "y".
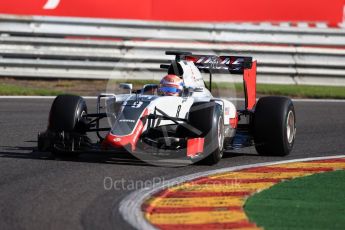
{"x": 312, "y": 202}
{"x": 10, "y": 89}
{"x": 301, "y": 91}
{"x": 306, "y": 91}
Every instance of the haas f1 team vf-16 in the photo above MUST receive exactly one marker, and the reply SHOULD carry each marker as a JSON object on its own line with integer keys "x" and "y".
{"x": 194, "y": 125}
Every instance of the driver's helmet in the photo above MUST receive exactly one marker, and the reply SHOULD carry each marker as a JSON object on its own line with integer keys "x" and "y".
{"x": 171, "y": 85}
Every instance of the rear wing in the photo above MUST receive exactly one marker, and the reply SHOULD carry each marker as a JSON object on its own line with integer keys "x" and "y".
{"x": 225, "y": 64}
{"x": 221, "y": 64}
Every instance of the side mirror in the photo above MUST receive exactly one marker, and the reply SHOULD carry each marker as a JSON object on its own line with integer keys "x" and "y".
{"x": 150, "y": 89}
{"x": 127, "y": 86}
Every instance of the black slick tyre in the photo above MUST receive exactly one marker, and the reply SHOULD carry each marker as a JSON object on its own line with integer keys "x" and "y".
{"x": 274, "y": 126}
{"x": 66, "y": 120}
{"x": 208, "y": 117}
{"x": 66, "y": 113}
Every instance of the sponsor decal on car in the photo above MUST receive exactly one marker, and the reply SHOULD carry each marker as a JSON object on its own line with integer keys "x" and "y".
{"x": 126, "y": 120}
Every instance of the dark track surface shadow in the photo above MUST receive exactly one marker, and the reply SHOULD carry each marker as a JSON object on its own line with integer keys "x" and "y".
{"x": 27, "y": 152}
{"x": 232, "y": 154}
{"x": 104, "y": 158}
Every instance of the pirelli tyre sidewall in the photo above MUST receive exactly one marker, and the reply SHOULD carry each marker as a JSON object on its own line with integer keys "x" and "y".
{"x": 65, "y": 124}
{"x": 274, "y": 126}
{"x": 66, "y": 113}
{"x": 208, "y": 118}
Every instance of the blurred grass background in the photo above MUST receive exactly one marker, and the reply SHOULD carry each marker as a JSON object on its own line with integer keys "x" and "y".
{"x": 94, "y": 87}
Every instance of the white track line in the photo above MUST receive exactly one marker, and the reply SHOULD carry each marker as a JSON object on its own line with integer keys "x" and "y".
{"x": 130, "y": 206}
{"x": 319, "y": 100}
{"x": 302, "y": 100}
{"x": 231, "y": 99}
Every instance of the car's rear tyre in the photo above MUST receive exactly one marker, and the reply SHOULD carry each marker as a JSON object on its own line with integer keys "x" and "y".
{"x": 66, "y": 119}
{"x": 274, "y": 126}
{"x": 208, "y": 118}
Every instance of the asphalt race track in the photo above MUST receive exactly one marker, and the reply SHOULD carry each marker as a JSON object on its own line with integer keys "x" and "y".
{"x": 40, "y": 192}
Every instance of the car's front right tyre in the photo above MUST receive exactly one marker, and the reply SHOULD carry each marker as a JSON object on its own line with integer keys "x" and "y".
{"x": 66, "y": 122}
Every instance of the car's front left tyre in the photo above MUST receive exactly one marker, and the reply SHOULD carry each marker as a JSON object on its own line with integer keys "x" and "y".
{"x": 208, "y": 117}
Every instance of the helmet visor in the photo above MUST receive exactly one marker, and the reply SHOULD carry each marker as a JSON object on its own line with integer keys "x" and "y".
{"x": 169, "y": 90}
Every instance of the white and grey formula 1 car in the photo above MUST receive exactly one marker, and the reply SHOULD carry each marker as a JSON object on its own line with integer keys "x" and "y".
{"x": 195, "y": 125}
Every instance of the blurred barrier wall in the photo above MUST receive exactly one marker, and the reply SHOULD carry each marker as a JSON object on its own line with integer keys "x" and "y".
{"x": 55, "y": 47}
{"x": 330, "y": 11}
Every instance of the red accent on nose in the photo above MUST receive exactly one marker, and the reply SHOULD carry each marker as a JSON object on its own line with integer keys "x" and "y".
{"x": 116, "y": 141}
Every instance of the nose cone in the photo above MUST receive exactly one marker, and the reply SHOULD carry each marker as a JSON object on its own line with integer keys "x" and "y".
{"x": 113, "y": 141}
